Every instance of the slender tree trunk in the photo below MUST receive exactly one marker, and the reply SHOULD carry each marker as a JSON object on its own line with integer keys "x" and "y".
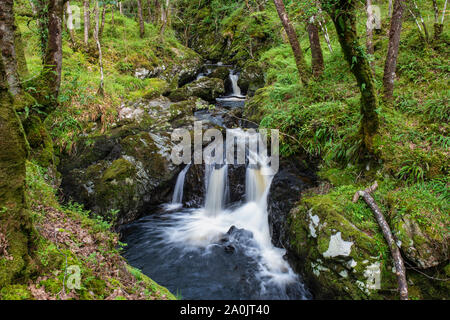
{"x": 157, "y": 15}
{"x": 316, "y": 49}
{"x": 438, "y": 27}
{"x": 390, "y": 8}
{"x": 149, "y": 11}
{"x": 99, "y": 47}
{"x": 8, "y": 51}
{"x": 295, "y": 45}
{"x": 112, "y": 15}
{"x": 369, "y": 32}
{"x": 141, "y": 19}
{"x": 120, "y": 8}
{"x": 323, "y": 25}
{"x": 22, "y": 67}
{"x": 70, "y": 23}
{"x": 53, "y": 55}
{"x": 102, "y": 26}
{"x": 425, "y": 29}
{"x": 87, "y": 22}
{"x": 343, "y": 14}
{"x": 163, "y": 20}
{"x": 392, "y": 54}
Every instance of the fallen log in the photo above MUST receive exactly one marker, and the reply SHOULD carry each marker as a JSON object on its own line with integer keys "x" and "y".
{"x": 395, "y": 251}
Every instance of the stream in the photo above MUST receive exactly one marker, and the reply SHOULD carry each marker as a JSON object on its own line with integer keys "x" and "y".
{"x": 221, "y": 250}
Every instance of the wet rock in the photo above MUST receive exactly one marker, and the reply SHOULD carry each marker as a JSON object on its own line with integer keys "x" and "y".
{"x": 222, "y": 73}
{"x": 205, "y": 88}
{"x": 285, "y": 190}
{"x": 251, "y": 78}
{"x": 132, "y": 173}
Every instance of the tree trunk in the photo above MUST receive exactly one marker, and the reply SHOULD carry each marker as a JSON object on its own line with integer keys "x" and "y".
{"x": 120, "y": 8}
{"x": 70, "y": 23}
{"x": 141, "y": 19}
{"x": 99, "y": 47}
{"x": 22, "y": 67}
{"x": 390, "y": 8}
{"x": 392, "y": 54}
{"x": 384, "y": 226}
{"x": 87, "y": 22}
{"x": 112, "y": 15}
{"x": 438, "y": 27}
{"x": 53, "y": 55}
{"x": 149, "y": 11}
{"x": 425, "y": 29}
{"x": 157, "y": 13}
{"x": 16, "y": 232}
{"x": 102, "y": 26}
{"x": 344, "y": 18}
{"x": 323, "y": 25}
{"x": 163, "y": 20}
{"x": 316, "y": 49}
{"x": 293, "y": 40}
{"x": 7, "y": 43}
{"x": 369, "y": 33}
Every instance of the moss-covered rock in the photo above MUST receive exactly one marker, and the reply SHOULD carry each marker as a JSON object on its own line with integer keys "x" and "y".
{"x": 342, "y": 252}
{"x": 134, "y": 174}
{"x": 205, "y": 88}
{"x": 251, "y": 78}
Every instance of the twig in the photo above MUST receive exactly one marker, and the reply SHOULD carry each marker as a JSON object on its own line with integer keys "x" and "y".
{"x": 395, "y": 251}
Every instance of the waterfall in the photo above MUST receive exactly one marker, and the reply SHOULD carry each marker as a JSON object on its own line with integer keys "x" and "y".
{"x": 177, "y": 197}
{"x": 255, "y": 184}
{"x": 234, "y": 82}
{"x": 216, "y": 188}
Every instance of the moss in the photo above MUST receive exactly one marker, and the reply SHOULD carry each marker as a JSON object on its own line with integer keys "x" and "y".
{"x": 153, "y": 287}
{"x": 15, "y": 292}
{"x": 119, "y": 170}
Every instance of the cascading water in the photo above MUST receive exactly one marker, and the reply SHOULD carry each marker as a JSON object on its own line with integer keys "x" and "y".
{"x": 179, "y": 186}
{"x": 222, "y": 250}
{"x": 234, "y": 84}
{"x": 216, "y": 190}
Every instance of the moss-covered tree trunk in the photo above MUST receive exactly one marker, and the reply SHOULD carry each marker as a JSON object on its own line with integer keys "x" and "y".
{"x": 7, "y": 43}
{"x": 392, "y": 54}
{"x": 293, "y": 40}
{"x": 15, "y": 223}
{"x": 343, "y": 14}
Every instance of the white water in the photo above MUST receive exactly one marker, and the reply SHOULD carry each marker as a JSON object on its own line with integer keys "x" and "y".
{"x": 204, "y": 227}
{"x": 234, "y": 83}
{"x": 216, "y": 187}
{"x": 179, "y": 186}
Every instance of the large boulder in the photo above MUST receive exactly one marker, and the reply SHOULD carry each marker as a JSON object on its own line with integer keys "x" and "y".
{"x": 338, "y": 247}
{"x": 123, "y": 173}
{"x": 205, "y": 88}
{"x": 120, "y": 176}
{"x": 251, "y": 78}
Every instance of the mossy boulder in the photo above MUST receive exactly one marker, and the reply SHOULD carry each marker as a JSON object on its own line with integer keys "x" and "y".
{"x": 339, "y": 260}
{"x": 220, "y": 73}
{"x": 254, "y": 108}
{"x": 251, "y": 78}
{"x": 120, "y": 175}
{"x": 420, "y": 222}
{"x": 340, "y": 250}
{"x": 205, "y": 88}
